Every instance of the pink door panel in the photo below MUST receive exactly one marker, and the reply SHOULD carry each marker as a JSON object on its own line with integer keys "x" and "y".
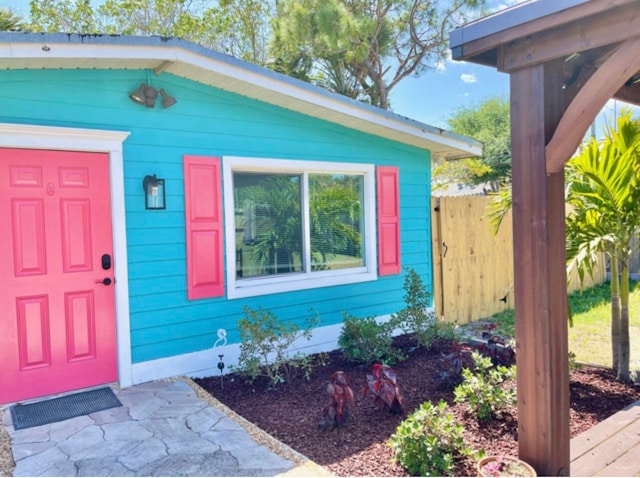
{"x": 57, "y": 318}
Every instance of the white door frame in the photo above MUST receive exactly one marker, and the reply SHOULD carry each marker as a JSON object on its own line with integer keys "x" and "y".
{"x": 93, "y": 140}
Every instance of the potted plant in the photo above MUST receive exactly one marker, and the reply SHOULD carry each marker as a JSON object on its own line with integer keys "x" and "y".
{"x": 504, "y": 466}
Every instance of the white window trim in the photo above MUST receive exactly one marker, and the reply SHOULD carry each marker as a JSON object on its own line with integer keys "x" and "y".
{"x": 237, "y": 289}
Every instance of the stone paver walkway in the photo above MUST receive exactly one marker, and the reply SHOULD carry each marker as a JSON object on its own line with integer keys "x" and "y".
{"x": 162, "y": 429}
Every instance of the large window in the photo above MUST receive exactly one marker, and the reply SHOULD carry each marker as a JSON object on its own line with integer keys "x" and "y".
{"x": 294, "y": 225}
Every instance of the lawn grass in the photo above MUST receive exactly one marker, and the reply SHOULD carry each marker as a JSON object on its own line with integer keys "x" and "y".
{"x": 590, "y": 336}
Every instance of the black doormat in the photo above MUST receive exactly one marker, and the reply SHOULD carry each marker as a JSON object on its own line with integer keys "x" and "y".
{"x": 63, "y": 408}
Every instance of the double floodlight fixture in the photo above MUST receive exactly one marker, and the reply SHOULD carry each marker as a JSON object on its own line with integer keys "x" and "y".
{"x": 147, "y": 95}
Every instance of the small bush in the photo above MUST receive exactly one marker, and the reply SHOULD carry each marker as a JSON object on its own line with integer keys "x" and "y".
{"x": 416, "y": 317}
{"x": 363, "y": 340}
{"x": 573, "y": 364}
{"x": 446, "y": 330}
{"x": 482, "y": 388}
{"x": 429, "y": 441}
{"x": 264, "y": 347}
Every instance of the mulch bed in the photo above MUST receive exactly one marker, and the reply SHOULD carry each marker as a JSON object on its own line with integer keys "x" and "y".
{"x": 291, "y": 413}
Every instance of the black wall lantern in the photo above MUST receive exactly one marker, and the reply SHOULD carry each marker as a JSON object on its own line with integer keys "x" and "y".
{"x": 153, "y": 192}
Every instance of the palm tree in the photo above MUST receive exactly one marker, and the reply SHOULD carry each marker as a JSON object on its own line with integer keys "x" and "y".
{"x": 9, "y": 21}
{"x": 603, "y": 187}
{"x": 603, "y": 190}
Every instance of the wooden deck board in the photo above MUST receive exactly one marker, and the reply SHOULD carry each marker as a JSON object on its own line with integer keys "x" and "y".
{"x": 611, "y": 448}
{"x": 626, "y": 465}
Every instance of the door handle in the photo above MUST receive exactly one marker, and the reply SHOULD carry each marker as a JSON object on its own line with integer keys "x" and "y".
{"x": 105, "y": 281}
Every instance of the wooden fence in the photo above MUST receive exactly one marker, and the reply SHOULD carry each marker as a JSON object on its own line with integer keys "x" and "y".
{"x": 473, "y": 269}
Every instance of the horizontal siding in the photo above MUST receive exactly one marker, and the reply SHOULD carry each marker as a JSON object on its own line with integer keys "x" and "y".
{"x": 162, "y": 235}
{"x": 211, "y": 122}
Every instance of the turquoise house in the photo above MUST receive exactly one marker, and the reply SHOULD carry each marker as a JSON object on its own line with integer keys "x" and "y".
{"x": 151, "y": 188}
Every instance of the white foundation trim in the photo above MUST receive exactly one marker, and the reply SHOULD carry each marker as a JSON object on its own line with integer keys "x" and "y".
{"x": 111, "y": 142}
{"x": 205, "y": 362}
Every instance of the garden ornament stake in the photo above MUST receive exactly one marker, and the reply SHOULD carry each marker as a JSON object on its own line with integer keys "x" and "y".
{"x": 222, "y": 337}
{"x": 221, "y": 367}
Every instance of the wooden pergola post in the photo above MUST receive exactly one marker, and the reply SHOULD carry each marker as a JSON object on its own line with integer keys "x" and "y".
{"x": 539, "y": 277}
{"x": 566, "y": 59}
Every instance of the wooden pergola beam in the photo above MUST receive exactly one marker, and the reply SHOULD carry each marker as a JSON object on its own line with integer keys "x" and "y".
{"x": 613, "y": 26}
{"x": 629, "y": 93}
{"x": 589, "y": 100}
{"x": 481, "y": 50}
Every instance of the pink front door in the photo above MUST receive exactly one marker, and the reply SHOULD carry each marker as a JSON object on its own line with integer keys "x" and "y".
{"x": 57, "y": 309}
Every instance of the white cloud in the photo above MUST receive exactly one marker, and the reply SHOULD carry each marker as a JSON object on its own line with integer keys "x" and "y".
{"x": 468, "y": 78}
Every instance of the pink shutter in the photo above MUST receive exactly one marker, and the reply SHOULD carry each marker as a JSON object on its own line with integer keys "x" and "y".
{"x": 388, "y": 220}
{"x": 203, "y": 211}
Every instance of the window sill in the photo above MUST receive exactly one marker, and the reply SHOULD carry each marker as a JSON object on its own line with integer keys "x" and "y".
{"x": 295, "y": 282}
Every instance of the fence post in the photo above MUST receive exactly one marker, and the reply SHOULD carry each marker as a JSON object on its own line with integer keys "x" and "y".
{"x": 438, "y": 273}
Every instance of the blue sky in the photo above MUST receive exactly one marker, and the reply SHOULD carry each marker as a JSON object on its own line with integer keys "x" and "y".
{"x": 436, "y": 95}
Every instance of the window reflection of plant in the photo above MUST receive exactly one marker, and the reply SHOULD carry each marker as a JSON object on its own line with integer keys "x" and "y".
{"x": 335, "y": 218}
{"x": 279, "y": 237}
{"x": 334, "y": 212}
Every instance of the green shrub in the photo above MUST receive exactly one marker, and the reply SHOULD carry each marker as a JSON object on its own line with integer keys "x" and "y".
{"x": 416, "y": 317}
{"x": 264, "y": 347}
{"x": 429, "y": 441}
{"x": 482, "y": 388}
{"x": 364, "y": 340}
{"x": 446, "y": 330}
{"x": 573, "y": 364}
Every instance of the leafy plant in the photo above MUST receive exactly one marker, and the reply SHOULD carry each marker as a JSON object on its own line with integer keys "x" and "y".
{"x": 265, "y": 342}
{"x": 453, "y": 362}
{"x": 482, "y": 388}
{"x": 416, "y": 317}
{"x": 489, "y": 123}
{"x": 573, "y": 364}
{"x": 11, "y": 22}
{"x": 383, "y": 385}
{"x": 429, "y": 441}
{"x": 497, "y": 349}
{"x": 364, "y": 340}
{"x": 336, "y": 412}
{"x": 307, "y": 363}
